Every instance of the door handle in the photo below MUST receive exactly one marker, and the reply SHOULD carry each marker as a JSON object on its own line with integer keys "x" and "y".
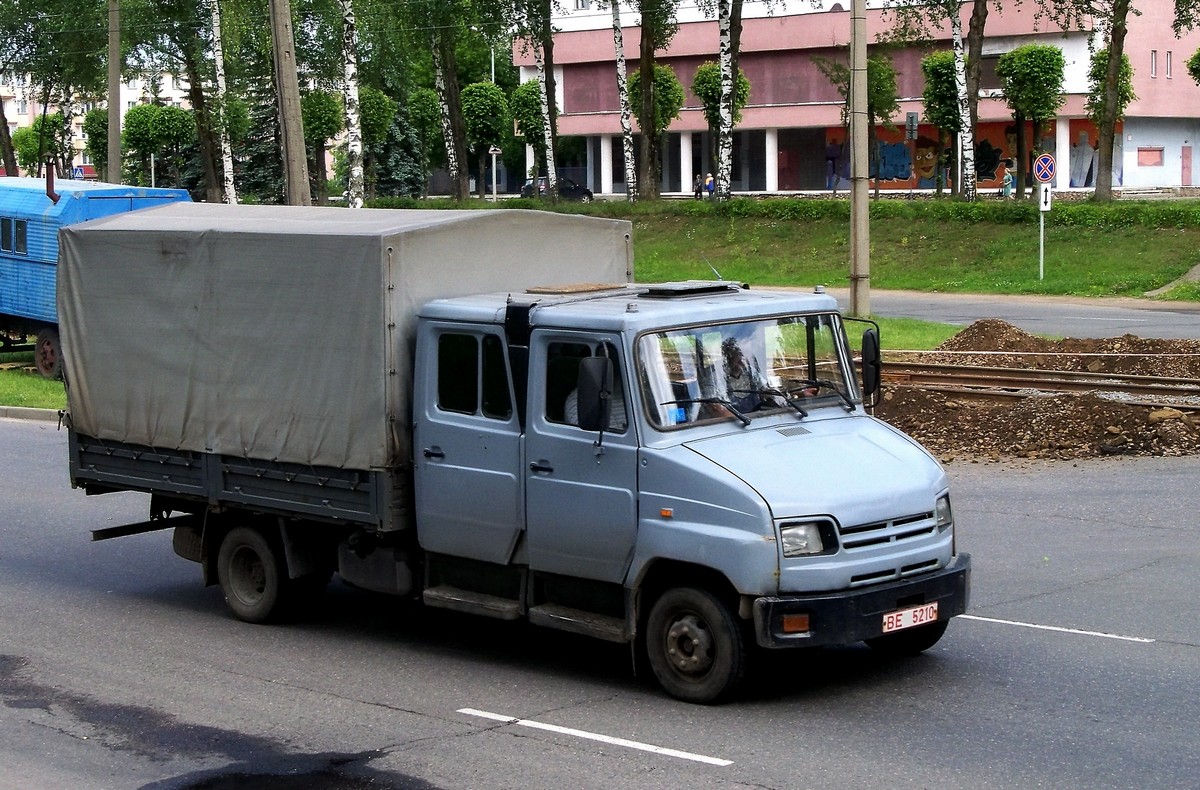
{"x": 434, "y": 452}
{"x": 537, "y": 467}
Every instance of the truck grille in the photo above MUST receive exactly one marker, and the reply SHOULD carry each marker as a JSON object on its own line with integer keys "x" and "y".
{"x": 894, "y": 530}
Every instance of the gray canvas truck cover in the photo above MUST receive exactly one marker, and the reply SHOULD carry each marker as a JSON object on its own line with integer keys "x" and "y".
{"x": 286, "y": 333}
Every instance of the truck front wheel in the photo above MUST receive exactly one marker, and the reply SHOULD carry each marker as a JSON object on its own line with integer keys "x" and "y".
{"x": 252, "y": 575}
{"x": 695, "y": 645}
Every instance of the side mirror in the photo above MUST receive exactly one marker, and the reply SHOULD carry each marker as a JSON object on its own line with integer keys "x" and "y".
{"x": 872, "y": 362}
{"x": 593, "y": 392}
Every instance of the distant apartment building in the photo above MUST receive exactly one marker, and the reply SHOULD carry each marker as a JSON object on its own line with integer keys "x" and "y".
{"x": 791, "y": 137}
{"x": 22, "y": 105}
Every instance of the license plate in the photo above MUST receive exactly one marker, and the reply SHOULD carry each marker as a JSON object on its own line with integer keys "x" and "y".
{"x": 910, "y": 618}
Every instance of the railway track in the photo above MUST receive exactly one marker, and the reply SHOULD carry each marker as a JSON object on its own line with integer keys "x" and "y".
{"x": 1002, "y": 384}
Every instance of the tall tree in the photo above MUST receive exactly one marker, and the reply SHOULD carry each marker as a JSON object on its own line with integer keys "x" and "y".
{"x": 940, "y": 99}
{"x": 708, "y": 86}
{"x": 883, "y": 102}
{"x": 1032, "y": 78}
{"x": 915, "y": 21}
{"x": 623, "y": 98}
{"x": 659, "y": 25}
{"x": 532, "y": 20}
{"x": 485, "y": 111}
{"x": 1103, "y": 103}
{"x": 354, "y": 143}
{"x": 229, "y": 187}
{"x": 668, "y": 98}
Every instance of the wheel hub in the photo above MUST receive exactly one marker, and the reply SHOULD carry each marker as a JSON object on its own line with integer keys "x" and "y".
{"x": 690, "y": 645}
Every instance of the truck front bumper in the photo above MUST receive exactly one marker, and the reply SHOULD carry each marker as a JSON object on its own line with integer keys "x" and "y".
{"x": 842, "y": 618}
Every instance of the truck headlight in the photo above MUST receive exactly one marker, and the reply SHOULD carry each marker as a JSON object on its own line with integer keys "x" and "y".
{"x": 945, "y": 518}
{"x": 801, "y": 539}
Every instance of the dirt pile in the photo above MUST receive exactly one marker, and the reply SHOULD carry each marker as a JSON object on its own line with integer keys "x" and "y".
{"x": 1058, "y": 426}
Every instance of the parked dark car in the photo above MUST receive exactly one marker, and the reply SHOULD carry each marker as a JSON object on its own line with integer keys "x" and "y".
{"x": 567, "y": 189}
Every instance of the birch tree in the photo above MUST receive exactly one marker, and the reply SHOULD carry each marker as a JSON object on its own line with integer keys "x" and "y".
{"x": 354, "y": 143}
{"x": 626, "y": 111}
{"x": 230, "y": 188}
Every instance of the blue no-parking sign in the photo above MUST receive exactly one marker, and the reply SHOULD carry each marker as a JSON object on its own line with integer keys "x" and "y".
{"x": 1043, "y": 168}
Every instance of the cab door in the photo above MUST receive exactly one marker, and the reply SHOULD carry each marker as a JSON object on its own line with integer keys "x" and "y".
{"x": 467, "y": 445}
{"x": 580, "y": 486}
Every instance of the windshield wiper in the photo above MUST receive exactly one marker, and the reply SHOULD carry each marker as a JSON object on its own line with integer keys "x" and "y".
{"x": 718, "y": 401}
{"x": 818, "y": 385}
{"x": 777, "y": 393}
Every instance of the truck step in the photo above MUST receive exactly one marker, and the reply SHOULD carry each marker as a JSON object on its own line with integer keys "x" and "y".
{"x": 579, "y": 621}
{"x": 446, "y": 597}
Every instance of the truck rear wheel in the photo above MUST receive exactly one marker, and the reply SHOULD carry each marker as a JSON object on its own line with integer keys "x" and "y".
{"x": 252, "y": 575}
{"x": 910, "y": 642}
{"x": 695, "y": 645}
{"x": 47, "y": 354}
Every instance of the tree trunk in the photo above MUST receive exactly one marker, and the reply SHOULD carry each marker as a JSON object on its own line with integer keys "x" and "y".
{"x": 648, "y": 180}
{"x": 1110, "y": 112}
{"x": 547, "y": 102}
{"x": 974, "y": 65}
{"x": 354, "y": 144}
{"x": 728, "y": 77}
{"x": 6, "y": 146}
{"x": 444, "y": 71}
{"x": 204, "y": 125}
{"x": 230, "y": 190}
{"x": 965, "y": 105}
{"x": 551, "y": 88}
{"x": 1022, "y": 157}
{"x": 626, "y": 112}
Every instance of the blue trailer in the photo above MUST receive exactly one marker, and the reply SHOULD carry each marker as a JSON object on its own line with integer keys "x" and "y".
{"x": 29, "y": 224}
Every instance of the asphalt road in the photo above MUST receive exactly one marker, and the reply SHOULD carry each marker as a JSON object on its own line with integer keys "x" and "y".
{"x": 1078, "y": 667}
{"x": 1053, "y": 316}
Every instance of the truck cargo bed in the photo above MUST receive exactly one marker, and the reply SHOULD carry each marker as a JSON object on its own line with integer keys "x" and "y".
{"x": 321, "y": 493}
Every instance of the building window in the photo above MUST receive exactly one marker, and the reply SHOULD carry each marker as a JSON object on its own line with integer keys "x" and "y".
{"x": 1168, "y": 64}
{"x": 1150, "y": 157}
{"x": 1153, "y": 63}
{"x": 583, "y": 5}
{"x": 22, "y": 107}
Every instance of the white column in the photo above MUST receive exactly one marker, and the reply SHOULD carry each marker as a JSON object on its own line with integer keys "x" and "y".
{"x": 606, "y": 163}
{"x": 745, "y": 177}
{"x": 530, "y": 160}
{"x": 772, "y": 160}
{"x": 1062, "y": 153}
{"x": 685, "y": 162}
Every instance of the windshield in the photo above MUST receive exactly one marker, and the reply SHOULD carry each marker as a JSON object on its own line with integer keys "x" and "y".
{"x": 742, "y": 370}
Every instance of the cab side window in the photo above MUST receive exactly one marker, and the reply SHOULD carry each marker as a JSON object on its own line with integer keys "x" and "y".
{"x": 472, "y": 376}
{"x": 562, "y": 375}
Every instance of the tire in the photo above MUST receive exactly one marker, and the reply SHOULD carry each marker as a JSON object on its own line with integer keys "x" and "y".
{"x": 252, "y": 574}
{"x": 585, "y": 198}
{"x": 910, "y": 642}
{"x": 695, "y": 645}
{"x": 47, "y": 354}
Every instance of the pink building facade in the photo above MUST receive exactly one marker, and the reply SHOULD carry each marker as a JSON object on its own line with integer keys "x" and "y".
{"x": 791, "y": 136}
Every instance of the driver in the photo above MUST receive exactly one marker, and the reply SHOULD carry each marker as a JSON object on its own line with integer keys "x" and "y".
{"x": 743, "y": 385}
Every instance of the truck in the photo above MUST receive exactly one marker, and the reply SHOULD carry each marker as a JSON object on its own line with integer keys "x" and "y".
{"x": 481, "y": 410}
{"x": 31, "y": 212}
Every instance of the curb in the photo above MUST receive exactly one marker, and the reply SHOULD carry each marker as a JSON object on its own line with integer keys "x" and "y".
{"x": 26, "y": 413}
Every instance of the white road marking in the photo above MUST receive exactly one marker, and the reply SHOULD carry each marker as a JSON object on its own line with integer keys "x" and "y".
{"x": 591, "y": 736}
{"x": 1058, "y": 628}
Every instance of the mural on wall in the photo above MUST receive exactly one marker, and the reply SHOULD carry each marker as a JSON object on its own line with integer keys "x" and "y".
{"x": 1085, "y": 156}
{"x": 901, "y": 164}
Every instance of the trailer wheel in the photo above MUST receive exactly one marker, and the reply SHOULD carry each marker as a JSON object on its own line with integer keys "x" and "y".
{"x": 910, "y": 642}
{"x": 47, "y": 354}
{"x": 695, "y": 645}
{"x": 252, "y": 575}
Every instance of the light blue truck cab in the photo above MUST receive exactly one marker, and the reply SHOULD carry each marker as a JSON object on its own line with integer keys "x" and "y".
{"x": 690, "y": 465}
{"x": 30, "y": 218}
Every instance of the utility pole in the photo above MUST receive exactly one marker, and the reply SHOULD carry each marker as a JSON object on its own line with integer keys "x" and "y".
{"x": 860, "y": 233}
{"x": 287, "y": 87}
{"x": 113, "y": 169}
